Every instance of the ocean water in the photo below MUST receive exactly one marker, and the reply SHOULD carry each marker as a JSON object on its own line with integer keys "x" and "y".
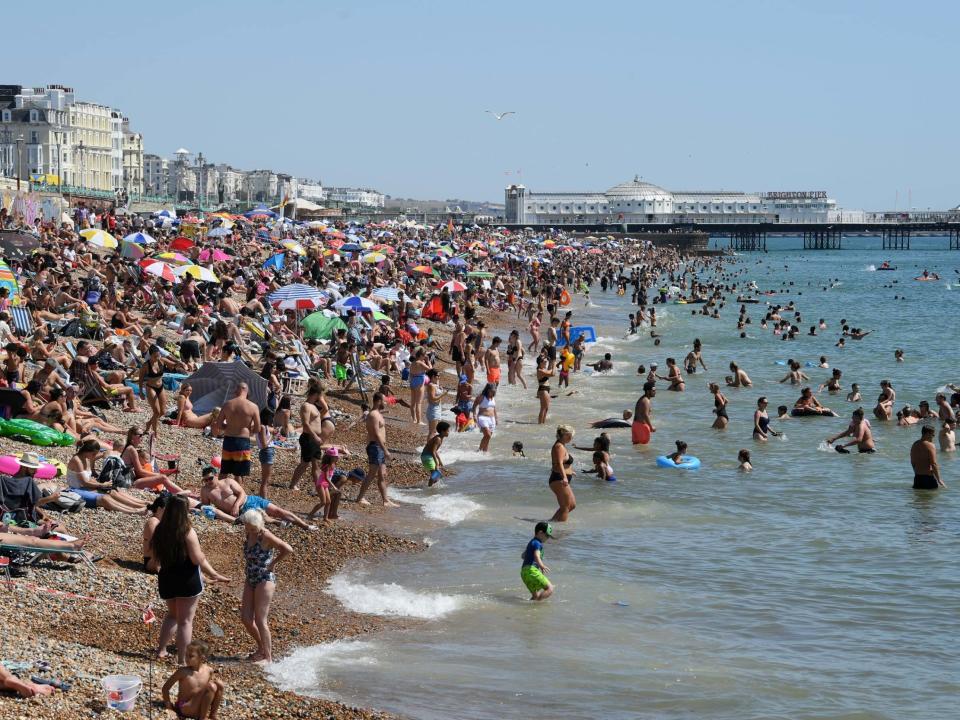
{"x": 820, "y": 586}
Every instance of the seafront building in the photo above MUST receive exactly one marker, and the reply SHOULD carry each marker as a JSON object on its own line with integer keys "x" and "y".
{"x": 638, "y": 201}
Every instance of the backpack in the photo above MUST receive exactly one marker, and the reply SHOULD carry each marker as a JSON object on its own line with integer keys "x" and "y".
{"x": 67, "y": 501}
{"x": 116, "y": 472}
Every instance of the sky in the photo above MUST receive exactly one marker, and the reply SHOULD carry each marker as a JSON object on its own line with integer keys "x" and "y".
{"x": 856, "y": 98}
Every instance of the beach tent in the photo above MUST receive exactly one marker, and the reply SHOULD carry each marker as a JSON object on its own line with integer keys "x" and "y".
{"x": 433, "y": 310}
{"x": 214, "y": 383}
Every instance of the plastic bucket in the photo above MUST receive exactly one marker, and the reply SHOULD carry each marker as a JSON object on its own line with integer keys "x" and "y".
{"x": 122, "y": 691}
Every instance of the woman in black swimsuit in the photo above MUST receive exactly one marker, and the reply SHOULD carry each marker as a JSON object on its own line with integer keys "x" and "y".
{"x": 176, "y": 549}
{"x": 761, "y": 422}
{"x": 151, "y": 382}
{"x": 544, "y": 373}
{"x": 561, "y": 470}
{"x": 719, "y": 407}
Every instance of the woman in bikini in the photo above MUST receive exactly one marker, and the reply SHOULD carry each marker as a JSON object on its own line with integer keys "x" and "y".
{"x": 673, "y": 376}
{"x": 151, "y": 380}
{"x": 186, "y": 417}
{"x": 545, "y": 371}
{"x": 418, "y": 376}
{"x": 561, "y": 470}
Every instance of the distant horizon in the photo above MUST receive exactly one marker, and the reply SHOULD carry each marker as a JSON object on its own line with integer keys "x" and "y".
{"x": 404, "y": 97}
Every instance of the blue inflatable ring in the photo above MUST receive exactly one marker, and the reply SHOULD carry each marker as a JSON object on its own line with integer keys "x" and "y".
{"x": 689, "y": 462}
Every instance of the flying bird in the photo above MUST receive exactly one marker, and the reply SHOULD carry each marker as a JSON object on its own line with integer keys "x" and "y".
{"x": 501, "y": 116}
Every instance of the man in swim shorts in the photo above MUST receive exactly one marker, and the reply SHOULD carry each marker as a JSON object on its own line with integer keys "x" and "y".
{"x": 492, "y": 361}
{"x": 238, "y": 422}
{"x": 923, "y": 458}
{"x": 227, "y": 495}
{"x": 533, "y": 571}
{"x": 377, "y": 453}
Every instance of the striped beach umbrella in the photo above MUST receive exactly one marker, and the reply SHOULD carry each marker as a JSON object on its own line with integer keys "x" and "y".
{"x": 294, "y": 247}
{"x": 390, "y": 294}
{"x": 453, "y": 286}
{"x": 355, "y": 302}
{"x": 197, "y": 272}
{"x": 158, "y": 268}
{"x": 140, "y": 238}
{"x": 132, "y": 250}
{"x": 174, "y": 258}
{"x": 297, "y": 296}
{"x": 100, "y": 238}
{"x": 8, "y": 280}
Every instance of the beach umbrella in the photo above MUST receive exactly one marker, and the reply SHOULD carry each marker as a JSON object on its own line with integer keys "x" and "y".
{"x": 181, "y": 243}
{"x": 216, "y": 254}
{"x": 140, "y": 238}
{"x": 322, "y": 325}
{"x": 382, "y": 316}
{"x": 374, "y": 258}
{"x": 480, "y": 274}
{"x": 220, "y": 231}
{"x": 297, "y": 296}
{"x": 294, "y": 247}
{"x": 333, "y": 233}
{"x": 158, "y": 268}
{"x": 354, "y": 238}
{"x": 390, "y": 294}
{"x": 132, "y": 250}
{"x": 453, "y": 286}
{"x": 422, "y": 270}
{"x": 9, "y": 280}
{"x": 198, "y": 272}
{"x": 355, "y": 302}
{"x": 351, "y": 247}
{"x": 384, "y": 248}
{"x": 174, "y": 258}
{"x": 275, "y": 262}
{"x": 260, "y": 212}
{"x": 335, "y": 243}
{"x": 99, "y": 238}
{"x": 317, "y": 225}
{"x": 384, "y": 233}
{"x": 457, "y": 262}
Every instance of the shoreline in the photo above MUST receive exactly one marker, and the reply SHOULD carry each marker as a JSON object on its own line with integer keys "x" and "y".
{"x": 94, "y": 619}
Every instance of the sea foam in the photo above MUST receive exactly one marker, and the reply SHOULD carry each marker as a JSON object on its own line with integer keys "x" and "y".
{"x": 390, "y": 599}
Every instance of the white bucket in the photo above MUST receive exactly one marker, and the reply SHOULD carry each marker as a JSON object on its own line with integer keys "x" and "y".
{"x": 122, "y": 691}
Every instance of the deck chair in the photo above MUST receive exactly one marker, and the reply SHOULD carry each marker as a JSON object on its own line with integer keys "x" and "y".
{"x": 22, "y": 320}
{"x": 168, "y": 465}
{"x": 19, "y": 497}
{"x": 23, "y": 555}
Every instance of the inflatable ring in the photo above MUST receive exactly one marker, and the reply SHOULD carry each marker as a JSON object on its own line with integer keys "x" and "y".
{"x": 564, "y": 298}
{"x": 688, "y": 462}
{"x": 49, "y": 469}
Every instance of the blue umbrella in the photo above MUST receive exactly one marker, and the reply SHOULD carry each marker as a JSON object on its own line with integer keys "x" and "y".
{"x": 140, "y": 238}
{"x": 276, "y": 262}
{"x": 355, "y": 302}
{"x": 387, "y": 293}
{"x": 354, "y": 238}
{"x": 351, "y": 247}
{"x": 262, "y": 210}
{"x": 457, "y": 262}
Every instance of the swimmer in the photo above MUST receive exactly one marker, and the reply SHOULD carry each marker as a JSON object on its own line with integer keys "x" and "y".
{"x": 518, "y": 449}
{"x": 602, "y": 467}
{"x": 761, "y": 422}
{"x": 743, "y": 457}
{"x": 604, "y": 365}
{"x": 859, "y": 430}
{"x": 923, "y": 459}
{"x": 783, "y": 413}
{"x": 884, "y": 407}
{"x": 898, "y": 355}
{"x": 948, "y": 439}
{"x": 807, "y": 404}
{"x": 854, "y": 394}
{"x": 677, "y": 456}
{"x": 623, "y": 421}
{"x": 719, "y": 407}
{"x": 739, "y": 377}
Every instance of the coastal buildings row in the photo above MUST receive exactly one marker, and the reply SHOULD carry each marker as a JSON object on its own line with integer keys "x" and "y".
{"x": 638, "y": 201}
{"x": 50, "y": 138}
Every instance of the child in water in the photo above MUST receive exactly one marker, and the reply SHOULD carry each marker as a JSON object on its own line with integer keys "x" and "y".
{"x": 601, "y": 466}
{"x": 743, "y": 457}
{"x": 430, "y": 455}
{"x": 533, "y": 570}
{"x": 199, "y": 693}
{"x": 854, "y": 394}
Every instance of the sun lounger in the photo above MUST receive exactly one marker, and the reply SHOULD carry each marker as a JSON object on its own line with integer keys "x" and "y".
{"x": 29, "y": 555}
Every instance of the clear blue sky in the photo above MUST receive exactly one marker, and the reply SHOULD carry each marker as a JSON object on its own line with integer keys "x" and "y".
{"x": 692, "y": 95}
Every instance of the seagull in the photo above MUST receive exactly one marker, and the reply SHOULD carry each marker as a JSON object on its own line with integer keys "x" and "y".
{"x": 501, "y": 116}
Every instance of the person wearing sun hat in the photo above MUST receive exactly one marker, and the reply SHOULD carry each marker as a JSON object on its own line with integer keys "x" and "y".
{"x": 533, "y": 571}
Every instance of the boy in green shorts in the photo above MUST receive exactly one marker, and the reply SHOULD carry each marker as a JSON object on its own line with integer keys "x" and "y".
{"x": 430, "y": 455}
{"x": 533, "y": 569}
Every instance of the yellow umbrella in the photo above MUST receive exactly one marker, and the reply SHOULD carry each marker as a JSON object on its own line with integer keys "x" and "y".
{"x": 374, "y": 258}
{"x": 99, "y": 238}
{"x": 295, "y": 247}
{"x": 196, "y": 271}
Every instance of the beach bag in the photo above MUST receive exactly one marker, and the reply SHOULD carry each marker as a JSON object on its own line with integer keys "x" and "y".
{"x": 67, "y": 501}
{"x": 116, "y": 472}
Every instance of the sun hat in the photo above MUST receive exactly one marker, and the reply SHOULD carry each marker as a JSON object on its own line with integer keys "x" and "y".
{"x": 30, "y": 460}
{"x": 332, "y": 452}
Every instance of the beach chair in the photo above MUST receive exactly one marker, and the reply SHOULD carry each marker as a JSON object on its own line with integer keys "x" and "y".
{"x": 24, "y": 555}
{"x": 22, "y": 320}
{"x": 168, "y": 465}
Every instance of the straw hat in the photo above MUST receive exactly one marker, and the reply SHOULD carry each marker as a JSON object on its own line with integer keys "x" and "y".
{"x": 30, "y": 460}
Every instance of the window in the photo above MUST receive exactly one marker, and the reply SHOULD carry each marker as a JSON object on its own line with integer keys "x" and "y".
{"x": 6, "y": 116}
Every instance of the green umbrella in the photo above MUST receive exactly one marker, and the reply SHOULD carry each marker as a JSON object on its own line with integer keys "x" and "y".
{"x": 480, "y": 274}
{"x": 377, "y": 315}
{"x": 321, "y": 326}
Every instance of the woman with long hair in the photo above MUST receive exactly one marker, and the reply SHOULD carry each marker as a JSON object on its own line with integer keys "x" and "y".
{"x": 186, "y": 417}
{"x": 561, "y": 470}
{"x": 144, "y": 477}
{"x": 434, "y": 395}
{"x": 96, "y": 494}
{"x": 176, "y": 550}
{"x": 151, "y": 381}
{"x": 262, "y": 550}
{"x": 545, "y": 371}
{"x": 418, "y": 376}
{"x": 485, "y": 414}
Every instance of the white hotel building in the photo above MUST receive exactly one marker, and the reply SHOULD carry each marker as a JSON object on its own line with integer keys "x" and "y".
{"x": 642, "y": 202}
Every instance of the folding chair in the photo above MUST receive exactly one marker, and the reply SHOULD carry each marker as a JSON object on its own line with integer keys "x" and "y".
{"x": 172, "y": 462}
{"x": 22, "y": 320}
{"x": 24, "y": 555}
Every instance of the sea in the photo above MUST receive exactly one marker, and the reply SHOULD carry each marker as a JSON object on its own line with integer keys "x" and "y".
{"x": 818, "y": 587}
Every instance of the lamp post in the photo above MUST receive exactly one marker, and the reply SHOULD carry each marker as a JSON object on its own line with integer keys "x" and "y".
{"x": 81, "y": 150}
{"x": 200, "y": 182}
{"x": 19, "y": 159}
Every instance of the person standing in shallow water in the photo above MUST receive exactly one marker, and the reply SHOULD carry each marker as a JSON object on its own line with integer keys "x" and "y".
{"x": 923, "y": 458}
{"x": 561, "y": 470}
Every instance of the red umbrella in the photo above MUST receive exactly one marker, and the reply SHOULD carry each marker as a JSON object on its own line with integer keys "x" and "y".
{"x": 181, "y": 243}
{"x": 158, "y": 268}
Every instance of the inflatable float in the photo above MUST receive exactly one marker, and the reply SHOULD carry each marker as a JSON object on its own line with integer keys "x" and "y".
{"x": 811, "y": 412}
{"x": 750, "y": 301}
{"x": 687, "y": 462}
{"x": 564, "y": 298}
{"x": 34, "y": 433}
{"x": 589, "y": 335}
{"x": 611, "y": 423}
{"x": 10, "y": 465}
